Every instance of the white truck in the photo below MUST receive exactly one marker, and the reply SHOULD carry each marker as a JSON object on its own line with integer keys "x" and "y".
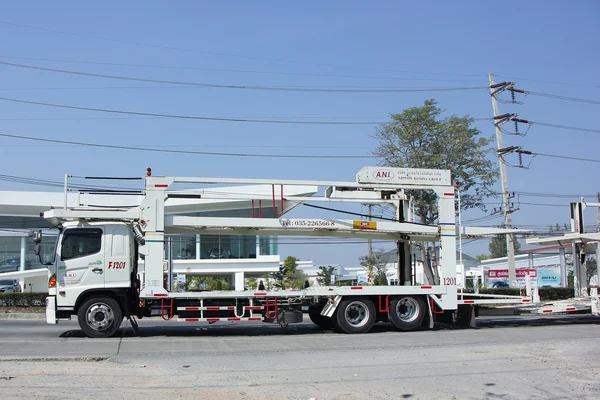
{"x": 97, "y": 273}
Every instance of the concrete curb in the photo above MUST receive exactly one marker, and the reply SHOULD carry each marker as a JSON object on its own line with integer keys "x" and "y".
{"x": 23, "y": 316}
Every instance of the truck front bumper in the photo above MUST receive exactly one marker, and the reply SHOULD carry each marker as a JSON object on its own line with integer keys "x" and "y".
{"x": 51, "y": 310}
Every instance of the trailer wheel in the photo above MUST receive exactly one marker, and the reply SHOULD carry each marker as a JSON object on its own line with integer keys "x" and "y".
{"x": 406, "y": 313}
{"x": 100, "y": 317}
{"x": 355, "y": 315}
{"x": 319, "y": 320}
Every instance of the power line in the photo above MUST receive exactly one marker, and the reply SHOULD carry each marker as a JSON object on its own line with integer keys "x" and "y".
{"x": 246, "y": 87}
{"x": 559, "y": 97}
{"x": 554, "y": 82}
{"x": 194, "y": 117}
{"x": 572, "y": 128}
{"x": 567, "y": 157}
{"x": 223, "y": 54}
{"x": 239, "y": 70}
{"x": 157, "y": 150}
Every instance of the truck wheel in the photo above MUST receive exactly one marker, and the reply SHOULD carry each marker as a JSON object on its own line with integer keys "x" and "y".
{"x": 407, "y": 313}
{"x": 355, "y": 315}
{"x": 319, "y": 320}
{"x": 100, "y": 317}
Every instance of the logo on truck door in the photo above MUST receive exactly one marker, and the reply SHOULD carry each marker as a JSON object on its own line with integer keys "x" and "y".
{"x": 117, "y": 264}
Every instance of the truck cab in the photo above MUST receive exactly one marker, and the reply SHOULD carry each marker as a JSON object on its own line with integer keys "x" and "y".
{"x": 92, "y": 260}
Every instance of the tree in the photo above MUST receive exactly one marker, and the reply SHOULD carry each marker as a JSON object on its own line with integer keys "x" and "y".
{"x": 287, "y": 276}
{"x": 482, "y": 257}
{"x": 419, "y": 137}
{"x": 252, "y": 283}
{"x": 375, "y": 267}
{"x": 324, "y": 275}
{"x": 498, "y": 248}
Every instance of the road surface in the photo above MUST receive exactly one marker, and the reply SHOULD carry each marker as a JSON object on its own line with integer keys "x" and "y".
{"x": 506, "y": 358}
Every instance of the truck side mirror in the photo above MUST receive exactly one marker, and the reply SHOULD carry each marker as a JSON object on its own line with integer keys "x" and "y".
{"x": 37, "y": 236}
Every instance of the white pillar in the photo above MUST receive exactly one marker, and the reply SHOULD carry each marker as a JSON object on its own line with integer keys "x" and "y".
{"x": 22, "y": 261}
{"x": 239, "y": 280}
{"x": 257, "y": 246}
{"x": 197, "y": 247}
{"x": 564, "y": 279}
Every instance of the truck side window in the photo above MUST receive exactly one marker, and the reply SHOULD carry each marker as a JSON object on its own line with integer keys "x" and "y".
{"x": 80, "y": 243}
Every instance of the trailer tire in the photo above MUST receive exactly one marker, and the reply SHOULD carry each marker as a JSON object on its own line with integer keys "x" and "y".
{"x": 320, "y": 320}
{"x": 355, "y": 315}
{"x": 100, "y": 317}
{"x": 406, "y": 313}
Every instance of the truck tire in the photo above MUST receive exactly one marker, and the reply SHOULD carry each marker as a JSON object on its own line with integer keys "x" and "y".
{"x": 319, "y": 320}
{"x": 100, "y": 317}
{"x": 355, "y": 315}
{"x": 407, "y": 312}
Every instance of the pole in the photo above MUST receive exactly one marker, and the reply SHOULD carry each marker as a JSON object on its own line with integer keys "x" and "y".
{"x": 370, "y": 242}
{"x": 460, "y": 249}
{"x": 510, "y": 246}
{"x": 66, "y": 189}
{"x": 598, "y": 244}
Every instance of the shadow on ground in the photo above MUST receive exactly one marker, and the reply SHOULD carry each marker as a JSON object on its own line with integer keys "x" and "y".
{"x": 308, "y": 328}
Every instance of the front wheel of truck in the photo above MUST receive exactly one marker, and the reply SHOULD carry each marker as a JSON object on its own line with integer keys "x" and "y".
{"x": 100, "y": 317}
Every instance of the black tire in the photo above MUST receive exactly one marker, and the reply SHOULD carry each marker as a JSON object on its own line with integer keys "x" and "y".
{"x": 406, "y": 313}
{"x": 319, "y": 320}
{"x": 355, "y": 315}
{"x": 100, "y": 317}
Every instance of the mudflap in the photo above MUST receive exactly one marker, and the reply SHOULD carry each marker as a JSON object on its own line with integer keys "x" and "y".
{"x": 429, "y": 320}
{"x": 465, "y": 316}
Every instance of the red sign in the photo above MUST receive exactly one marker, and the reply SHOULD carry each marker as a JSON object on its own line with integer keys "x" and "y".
{"x": 503, "y": 273}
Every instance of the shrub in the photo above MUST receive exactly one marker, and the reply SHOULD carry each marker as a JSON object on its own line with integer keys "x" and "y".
{"x": 553, "y": 293}
{"x": 23, "y": 299}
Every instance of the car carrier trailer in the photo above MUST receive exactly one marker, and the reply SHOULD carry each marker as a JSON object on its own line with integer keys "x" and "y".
{"x": 97, "y": 276}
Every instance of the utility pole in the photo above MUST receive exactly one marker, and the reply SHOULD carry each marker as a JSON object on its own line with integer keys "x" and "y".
{"x": 598, "y": 244}
{"x": 510, "y": 246}
{"x": 369, "y": 241}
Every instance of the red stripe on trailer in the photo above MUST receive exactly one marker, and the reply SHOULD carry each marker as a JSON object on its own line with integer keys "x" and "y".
{"x": 355, "y": 287}
{"x": 260, "y": 293}
{"x": 469, "y": 301}
{"x": 255, "y": 319}
{"x": 192, "y": 309}
{"x": 253, "y": 308}
{"x": 546, "y": 311}
{"x": 192, "y": 319}
{"x": 213, "y": 319}
{"x": 231, "y": 308}
{"x": 161, "y": 185}
{"x": 526, "y": 301}
{"x": 570, "y": 308}
{"x": 213, "y": 308}
{"x": 161, "y": 295}
{"x": 233, "y": 319}
{"x": 426, "y": 287}
{"x": 449, "y": 194}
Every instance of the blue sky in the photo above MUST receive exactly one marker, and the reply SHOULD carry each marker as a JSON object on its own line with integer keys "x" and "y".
{"x": 548, "y": 47}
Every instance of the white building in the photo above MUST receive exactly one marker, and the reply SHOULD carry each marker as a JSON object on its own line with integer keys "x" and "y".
{"x": 232, "y": 256}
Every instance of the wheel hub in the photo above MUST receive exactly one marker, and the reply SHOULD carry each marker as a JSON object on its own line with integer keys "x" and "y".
{"x": 357, "y": 314}
{"x": 99, "y": 316}
{"x": 406, "y": 309}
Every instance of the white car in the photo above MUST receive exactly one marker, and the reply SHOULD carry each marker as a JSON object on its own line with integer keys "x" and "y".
{"x": 9, "y": 285}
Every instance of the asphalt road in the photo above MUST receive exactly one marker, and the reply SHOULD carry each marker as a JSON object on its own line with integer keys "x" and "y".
{"x": 506, "y": 358}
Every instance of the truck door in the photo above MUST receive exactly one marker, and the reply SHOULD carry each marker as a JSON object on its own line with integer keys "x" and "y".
{"x": 81, "y": 264}
{"x": 119, "y": 251}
